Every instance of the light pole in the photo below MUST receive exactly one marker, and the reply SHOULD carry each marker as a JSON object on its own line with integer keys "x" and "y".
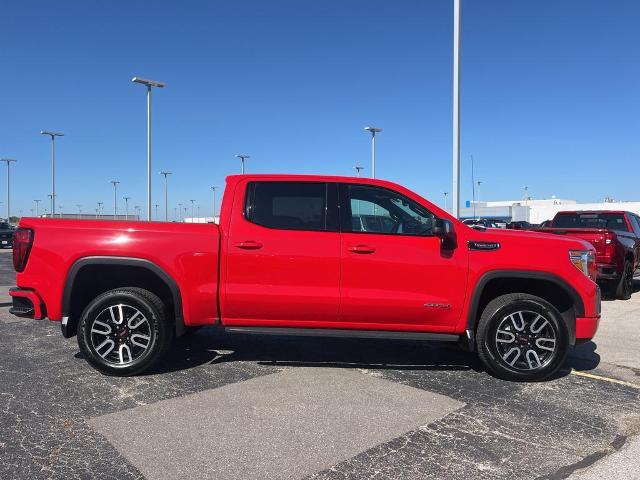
{"x": 37, "y": 207}
{"x": 213, "y": 189}
{"x": 358, "y": 169}
{"x": 455, "y": 153}
{"x": 198, "y": 209}
{"x": 526, "y": 194}
{"x": 175, "y": 214}
{"x": 242, "y": 159}
{"x": 192, "y": 203}
{"x": 180, "y": 211}
{"x": 79, "y": 209}
{"x": 445, "y": 199}
{"x": 373, "y": 131}
{"x": 166, "y": 196}
{"x": 156, "y": 205}
{"x": 149, "y": 84}
{"x": 115, "y": 198}
{"x": 479, "y": 182}
{"x": 126, "y": 207}
{"x": 97, "y": 213}
{"x": 185, "y": 214}
{"x": 53, "y": 136}
{"x": 8, "y": 161}
{"x": 100, "y": 208}
{"x": 136, "y": 209}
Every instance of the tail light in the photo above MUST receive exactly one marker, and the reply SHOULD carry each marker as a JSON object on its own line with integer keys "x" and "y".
{"x": 22, "y": 241}
{"x": 609, "y": 244}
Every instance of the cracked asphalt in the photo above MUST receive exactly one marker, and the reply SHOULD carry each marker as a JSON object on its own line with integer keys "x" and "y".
{"x": 61, "y": 419}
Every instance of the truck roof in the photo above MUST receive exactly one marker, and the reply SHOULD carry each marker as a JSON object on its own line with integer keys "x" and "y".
{"x": 591, "y": 211}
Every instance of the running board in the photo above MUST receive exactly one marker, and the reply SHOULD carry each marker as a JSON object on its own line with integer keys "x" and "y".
{"x": 327, "y": 332}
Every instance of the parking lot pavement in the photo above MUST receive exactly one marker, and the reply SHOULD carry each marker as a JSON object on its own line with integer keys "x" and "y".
{"x": 224, "y": 406}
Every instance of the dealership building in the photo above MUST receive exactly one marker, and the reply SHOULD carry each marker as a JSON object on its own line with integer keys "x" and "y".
{"x": 537, "y": 211}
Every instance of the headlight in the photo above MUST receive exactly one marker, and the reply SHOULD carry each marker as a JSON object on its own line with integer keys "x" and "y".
{"x": 584, "y": 260}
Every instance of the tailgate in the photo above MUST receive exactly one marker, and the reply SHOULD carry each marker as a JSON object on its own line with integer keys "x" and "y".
{"x": 595, "y": 236}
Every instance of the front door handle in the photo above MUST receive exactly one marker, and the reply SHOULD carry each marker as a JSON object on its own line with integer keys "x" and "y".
{"x": 249, "y": 245}
{"x": 361, "y": 249}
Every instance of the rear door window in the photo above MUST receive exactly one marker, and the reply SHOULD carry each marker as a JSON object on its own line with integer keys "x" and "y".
{"x": 291, "y": 205}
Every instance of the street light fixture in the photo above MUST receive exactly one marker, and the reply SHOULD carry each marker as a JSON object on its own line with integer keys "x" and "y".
{"x": 126, "y": 207}
{"x": 358, "y": 169}
{"x": 53, "y": 136}
{"x": 213, "y": 189}
{"x": 242, "y": 159}
{"x": 8, "y": 161}
{"x": 100, "y": 207}
{"x": 115, "y": 198}
{"x": 149, "y": 84}
{"x": 37, "y": 207}
{"x": 373, "y": 131}
{"x": 166, "y": 196}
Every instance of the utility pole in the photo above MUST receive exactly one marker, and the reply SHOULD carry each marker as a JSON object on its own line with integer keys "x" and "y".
{"x": 126, "y": 207}
{"x": 166, "y": 196}
{"x": 455, "y": 210}
{"x": 115, "y": 198}
{"x": 148, "y": 83}
{"x": 8, "y": 161}
{"x": 53, "y": 136}
{"x": 373, "y": 131}
{"x": 242, "y": 159}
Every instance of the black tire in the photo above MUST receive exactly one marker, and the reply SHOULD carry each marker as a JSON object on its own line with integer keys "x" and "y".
{"x": 140, "y": 342}
{"x": 496, "y": 348}
{"x": 624, "y": 287}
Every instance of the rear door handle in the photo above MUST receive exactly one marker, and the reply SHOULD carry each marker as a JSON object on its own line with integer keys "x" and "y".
{"x": 361, "y": 249}
{"x": 249, "y": 245}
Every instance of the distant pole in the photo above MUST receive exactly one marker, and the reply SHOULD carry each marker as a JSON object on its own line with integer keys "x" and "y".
{"x": 97, "y": 213}
{"x": 445, "y": 199}
{"x": 213, "y": 189}
{"x": 180, "y": 211}
{"x": 148, "y": 83}
{"x": 185, "y": 214}
{"x": 79, "y": 210}
{"x": 126, "y": 207}
{"x": 166, "y": 196}
{"x": 53, "y": 136}
{"x": 373, "y": 131}
{"x": 61, "y": 207}
{"x": 478, "y": 183}
{"x": 242, "y": 159}
{"x": 8, "y": 161}
{"x": 473, "y": 189}
{"x": 115, "y": 198}
{"x": 198, "y": 210}
{"x": 156, "y": 205}
{"x": 192, "y": 215}
{"x": 358, "y": 169}
{"x": 100, "y": 207}
{"x": 175, "y": 214}
{"x": 37, "y": 207}
{"x": 455, "y": 210}
{"x": 526, "y": 194}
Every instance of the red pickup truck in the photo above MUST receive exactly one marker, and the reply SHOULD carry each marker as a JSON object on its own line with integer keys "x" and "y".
{"x": 616, "y": 237}
{"x": 302, "y": 255}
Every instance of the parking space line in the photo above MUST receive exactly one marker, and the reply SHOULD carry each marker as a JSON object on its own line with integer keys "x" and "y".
{"x": 604, "y": 379}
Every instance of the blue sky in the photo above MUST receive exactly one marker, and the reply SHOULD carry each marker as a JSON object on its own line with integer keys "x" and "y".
{"x": 550, "y": 95}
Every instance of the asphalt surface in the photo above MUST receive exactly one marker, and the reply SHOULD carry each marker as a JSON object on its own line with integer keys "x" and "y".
{"x": 237, "y": 406}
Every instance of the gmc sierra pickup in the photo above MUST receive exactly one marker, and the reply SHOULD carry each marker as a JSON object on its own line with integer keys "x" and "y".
{"x": 616, "y": 237}
{"x": 310, "y": 255}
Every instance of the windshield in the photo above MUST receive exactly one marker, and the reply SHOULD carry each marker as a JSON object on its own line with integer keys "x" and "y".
{"x": 610, "y": 221}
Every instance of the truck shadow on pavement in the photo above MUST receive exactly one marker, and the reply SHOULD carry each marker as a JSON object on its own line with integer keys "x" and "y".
{"x": 211, "y": 346}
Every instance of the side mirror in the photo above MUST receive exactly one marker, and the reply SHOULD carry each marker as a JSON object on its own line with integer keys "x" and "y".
{"x": 444, "y": 230}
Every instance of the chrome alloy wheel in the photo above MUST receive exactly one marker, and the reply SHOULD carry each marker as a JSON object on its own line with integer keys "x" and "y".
{"x": 121, "y": 334}
{"x": 526, "y": 340}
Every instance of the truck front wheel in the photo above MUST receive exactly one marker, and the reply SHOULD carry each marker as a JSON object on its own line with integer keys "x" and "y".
{"x": 124, "y": 331}
{"x": 522, "y": 337}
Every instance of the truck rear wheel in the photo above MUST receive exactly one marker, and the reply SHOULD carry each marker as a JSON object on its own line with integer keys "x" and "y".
{"x": 624, "y": 288}
{"x": 522, "y": 337}
{"x": 124, "y": 331}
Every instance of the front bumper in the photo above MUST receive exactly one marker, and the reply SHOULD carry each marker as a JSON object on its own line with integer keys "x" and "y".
{"x": 586, "y": 327}
{"x": 26, "y": 304}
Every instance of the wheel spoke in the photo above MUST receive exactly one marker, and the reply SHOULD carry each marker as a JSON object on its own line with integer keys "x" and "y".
{"x": 518, "y": 323}
{"x": 510, "y": 337}
{"x": 539, "y": 328}
{"x": 109, "y": 346}
{"x": 508, "y": 354}
{"x": 122, "y": 350}
{"x": 140, "y": 340}
{"x": 546, "y": 344}
{"x": 105, "y": 328}
{"x": 533, "y": 360}
{"x": 141, "y": 319}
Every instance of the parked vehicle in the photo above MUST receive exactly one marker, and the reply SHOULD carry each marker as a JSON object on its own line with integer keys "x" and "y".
{"x": 616, "y": 237}
{"x": 6, "y": 235}
{"x": 288, "y": 258}
{"x": 520, "y": 225}
{"x": 480, "y": 223}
